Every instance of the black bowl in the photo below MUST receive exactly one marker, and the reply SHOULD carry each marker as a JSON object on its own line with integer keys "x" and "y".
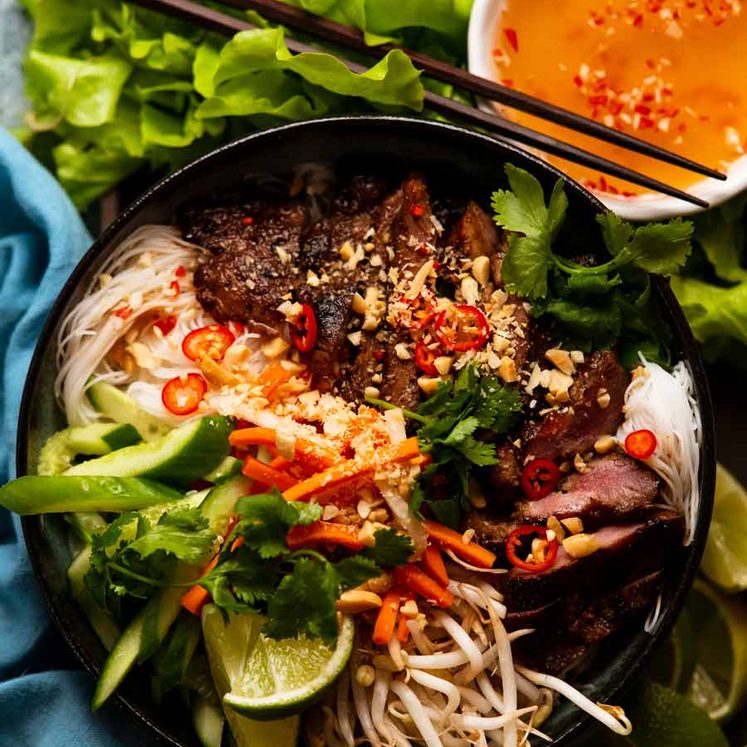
{"x": 461, "y": 161}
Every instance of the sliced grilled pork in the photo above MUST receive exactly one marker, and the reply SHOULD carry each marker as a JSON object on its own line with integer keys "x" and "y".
{"x": 615, "y": 486}
{"x": 594, "y": 409}
{"x": 413, "y": 241}
{"x": 256, "y": 247}
{"x": 626, "y": 552}
{"x": 475, "y": 234}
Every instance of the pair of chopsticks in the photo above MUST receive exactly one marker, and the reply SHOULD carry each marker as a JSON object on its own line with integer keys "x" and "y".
{"x": 340, "y": 35}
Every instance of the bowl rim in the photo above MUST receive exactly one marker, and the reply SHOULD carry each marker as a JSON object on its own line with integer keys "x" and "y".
{"x": 32, "y": 525}
{"x": 485, "y": 19}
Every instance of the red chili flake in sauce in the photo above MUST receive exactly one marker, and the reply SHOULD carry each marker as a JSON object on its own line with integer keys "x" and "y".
{"x": 180, "y": 271}
{"x": 166, "y": 324}
{"x": 508, "y": 82}
{"x": 247, "y": 220}
{"x": 513, "y": 38}
{"x": 175, "y": 287}
{"x": 638, "y": 20}
{"x": 418, "y": 210}
{"x": 124, "y": 312}
{"x": 379, "y": 355}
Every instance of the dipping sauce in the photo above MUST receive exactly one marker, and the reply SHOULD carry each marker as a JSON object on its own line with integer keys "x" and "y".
{"x": 673, "y": 72}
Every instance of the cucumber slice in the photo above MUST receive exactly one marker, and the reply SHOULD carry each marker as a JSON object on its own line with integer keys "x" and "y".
{"x": 101, "y": 621}
{"x": 219, "y": 504}
{"x": 172, "y": 659}
{"x": 227, "y": 468}
{"x": 37, "y": 494}
{"x": 180, "y": 457}
{"x": 121, "y": 408}
{"x": 151, "y": 624}
{"x": 86, "y": 524}
{"x": 96, "y": 439}
{"x": 208, "y": 721}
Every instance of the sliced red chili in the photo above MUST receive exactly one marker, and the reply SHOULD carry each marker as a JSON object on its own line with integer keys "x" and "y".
{"x": 462, "y": 327}
{"x": 175, "y": 287}
{"x": 165, "y": 324}
{"x": 536, "y": 558}
{"x": 180, "y": 271}
{"x": 211, "y": 341}
{"x": 182, "y": 394}
{"x": 640, "y": 444}
{"x": 539, "y": 478}
{"x": 425, "y": 358}
{"x": 304, "y": 330}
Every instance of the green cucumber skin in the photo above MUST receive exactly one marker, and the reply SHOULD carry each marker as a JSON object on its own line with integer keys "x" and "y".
{"x": 96, "y": 439}
{"x": 218, "y": 505}
{"x": 113, "y": 403}
{"x": 180, "y": 457}
{"x": 49, "y": 494}
{"x": 163, "y": 609}
{"x": 208, "y": 721}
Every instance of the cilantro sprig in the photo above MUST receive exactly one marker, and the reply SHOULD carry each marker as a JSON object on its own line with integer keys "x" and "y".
{"x": 589, "y": 306}
{"x": 459, "y": 423}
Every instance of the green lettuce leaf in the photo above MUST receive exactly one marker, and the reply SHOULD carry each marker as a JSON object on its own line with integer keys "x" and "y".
{"x": 116, "y": 88}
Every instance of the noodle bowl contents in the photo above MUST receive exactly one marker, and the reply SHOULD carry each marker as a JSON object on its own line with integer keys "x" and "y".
{"x": 666, "y": 71}
{"x": 378, "y": 441}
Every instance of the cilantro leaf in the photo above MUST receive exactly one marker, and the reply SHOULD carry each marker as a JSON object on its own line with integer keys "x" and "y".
{"x": 660, "y": 248}
{"x": 522, "y": 210}
{"x": 266, "y": 519}
{"x": 356, "y": 570}
{"x": 304, "y": 602}
{"x": 390, "y": 548}
{"x": 132, "y": 557}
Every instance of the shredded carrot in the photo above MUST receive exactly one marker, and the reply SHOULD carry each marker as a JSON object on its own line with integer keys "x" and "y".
{"x": 350, "y": 475}
{"x": 280, "y": 462}
{"x": 324, "y": 532}
{"x": 272, "y": 377}
{"x": 266, "y": 474}
{"x": 197, "y": 597}
{"x": 411, "y": 577}
{"x": 403, "y": 632}
{"x": 433, "y": 564}
{"x": 386, "y": 620}
{"x": 448, "y": 539}
{"x": 318, "y": 454}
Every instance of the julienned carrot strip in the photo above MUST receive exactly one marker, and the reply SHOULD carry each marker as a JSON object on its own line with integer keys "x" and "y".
{"x": 306, "y": 450}
{"x": 386, "y": 620}
{"x": 349, "y": 473}
{"x": 197, "y": 597}
{"x": 414, "y": 579}
{"x": 433, "y": 564}
{"x": 324, "y": 532}
{"x": 470, "y": 552}
{"x": 265, "y": 474}
{"x": 403, "y": 632}
{"x": 274, "y": 376}
{"x": 280, "y": 462}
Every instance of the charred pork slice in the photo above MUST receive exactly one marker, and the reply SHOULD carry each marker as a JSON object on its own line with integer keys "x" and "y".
{"x": 413, "y": 240}
{"x": 614, "y": 487}
{"x": 256, "y": 246}
{"x": 566, "y": 629}
{"x": 594, "y": 409}
{"x": 475, "y": 234}
{"x": 626, "y": 552}
{"x": 352, "y": 216}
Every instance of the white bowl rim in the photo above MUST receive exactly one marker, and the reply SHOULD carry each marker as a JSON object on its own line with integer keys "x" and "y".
{"x": 484, "y": 21}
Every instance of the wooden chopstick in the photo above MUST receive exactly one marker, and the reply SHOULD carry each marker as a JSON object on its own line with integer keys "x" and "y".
{"x": 345, "y": 36}
{"x": 225, "y": 24}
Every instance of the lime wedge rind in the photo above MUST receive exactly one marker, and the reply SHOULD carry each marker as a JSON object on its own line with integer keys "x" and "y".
{"x": 280, "y": 704}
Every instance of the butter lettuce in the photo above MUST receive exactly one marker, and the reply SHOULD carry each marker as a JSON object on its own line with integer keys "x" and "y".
{"x": 115, "y": 89}
{"x": 713, "y": 292}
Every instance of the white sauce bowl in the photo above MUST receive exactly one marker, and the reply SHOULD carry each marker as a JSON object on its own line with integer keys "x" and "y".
{"x": 484, "y": 22}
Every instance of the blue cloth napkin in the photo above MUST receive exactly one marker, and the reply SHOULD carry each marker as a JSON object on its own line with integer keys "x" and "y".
{"x": 44, "y": 697}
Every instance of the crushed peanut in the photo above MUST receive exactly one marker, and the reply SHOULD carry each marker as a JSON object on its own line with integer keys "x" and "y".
{"x": 574, "y": 524}
{"x": 580, "y": 545}
{"x": 604, "y": 444}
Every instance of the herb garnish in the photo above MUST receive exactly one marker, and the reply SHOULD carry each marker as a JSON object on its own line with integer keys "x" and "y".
{"x": 459, "y": 423}
{"x": 590, "y": 307}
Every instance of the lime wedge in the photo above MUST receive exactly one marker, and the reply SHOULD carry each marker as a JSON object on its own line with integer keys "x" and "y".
{"x": 663, "y": 718}
{"x": 229, "y": 647}
{"x": 674, "y": 663}
{"x": 725, "y": 558}
{"x": 719, "y": 682}
{"x": 284, "y": 677}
